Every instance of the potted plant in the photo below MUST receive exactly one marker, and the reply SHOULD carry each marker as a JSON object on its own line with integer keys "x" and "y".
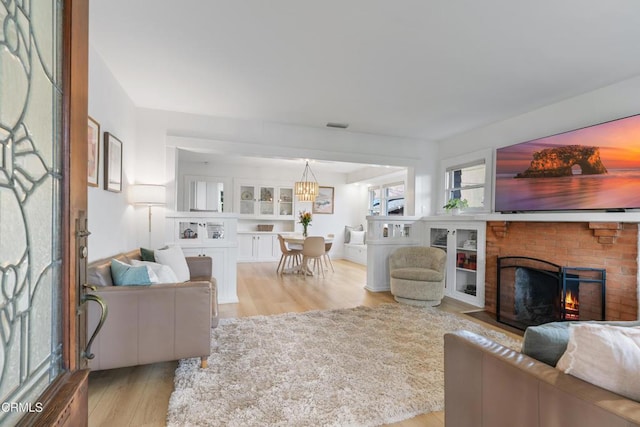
{"x": 455, "y": 205}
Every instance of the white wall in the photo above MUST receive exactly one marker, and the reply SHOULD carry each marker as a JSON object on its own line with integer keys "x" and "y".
{"x": 149, "y": 136}
{"x": 110, "y": 216}
{"x": 255, "y": 138}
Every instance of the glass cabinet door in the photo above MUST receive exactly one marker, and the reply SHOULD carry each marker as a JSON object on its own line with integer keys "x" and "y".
{"x": 438, "y": 238}
{"x": 267, "y": 201}
{"x": 285, "y": 201}
{"x": 247, "y": 200}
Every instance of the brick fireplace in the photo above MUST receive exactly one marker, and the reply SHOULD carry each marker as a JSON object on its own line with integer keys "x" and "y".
{"x": 609, "y": 245}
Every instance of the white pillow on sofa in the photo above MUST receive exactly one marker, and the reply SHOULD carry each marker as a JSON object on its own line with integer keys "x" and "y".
{"x": 163, "y": 273}
{"x": 605, "y": 355}
{"x": 174, "y": 258}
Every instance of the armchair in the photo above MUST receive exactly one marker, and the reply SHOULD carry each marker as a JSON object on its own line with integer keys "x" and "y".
{"x": 417, "y": 275}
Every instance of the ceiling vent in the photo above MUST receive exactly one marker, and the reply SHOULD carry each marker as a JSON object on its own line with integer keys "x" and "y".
{"x": 337, "y": 125}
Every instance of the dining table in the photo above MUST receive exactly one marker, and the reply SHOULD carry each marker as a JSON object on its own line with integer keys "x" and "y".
{"x": 296, "y": 241}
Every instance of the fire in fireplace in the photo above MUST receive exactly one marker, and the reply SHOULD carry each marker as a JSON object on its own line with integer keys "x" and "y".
{"x": 532, "y": 292}
{"x": 572, "y": 305}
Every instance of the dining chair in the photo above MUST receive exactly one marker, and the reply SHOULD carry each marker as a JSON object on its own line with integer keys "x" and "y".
{"x": 327, "y": 248}
{"x": 313, "y": 250}
{"x": 290, "y": 256}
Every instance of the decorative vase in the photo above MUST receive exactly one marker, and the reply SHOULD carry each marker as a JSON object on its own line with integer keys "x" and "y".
{"x": 304, "y": 230}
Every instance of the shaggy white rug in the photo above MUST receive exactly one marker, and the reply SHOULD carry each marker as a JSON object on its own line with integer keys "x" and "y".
{"x": 350, "y": 367}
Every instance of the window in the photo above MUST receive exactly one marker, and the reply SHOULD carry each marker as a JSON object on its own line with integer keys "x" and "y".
{"x": 387, "y": 199}
{"x": 374, "y": 201}
{"x": 467, "y": 182}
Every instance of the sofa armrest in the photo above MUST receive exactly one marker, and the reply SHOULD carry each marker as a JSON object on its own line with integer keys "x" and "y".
{"x": 492, "y": 385}
{"x": 200, "y": 267}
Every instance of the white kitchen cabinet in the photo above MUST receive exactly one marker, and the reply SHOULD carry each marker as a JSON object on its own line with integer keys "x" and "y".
{"x": 268, "y": 201}
{"x": 285, "y": 202}
{"x": 259, "y": 247}
{"x": 465, "y": 247}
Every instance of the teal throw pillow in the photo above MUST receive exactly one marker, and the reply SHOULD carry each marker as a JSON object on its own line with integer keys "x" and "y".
{"x": 128, "y": 275}
{"x": 147, "y": 255}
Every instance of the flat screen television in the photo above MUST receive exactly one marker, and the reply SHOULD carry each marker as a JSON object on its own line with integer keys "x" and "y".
{"x": 592, "y": 168}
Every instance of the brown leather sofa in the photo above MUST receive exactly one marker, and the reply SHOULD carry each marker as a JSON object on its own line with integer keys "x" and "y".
{"x": 156, "y": 323}
{"x": 489, "y": 385}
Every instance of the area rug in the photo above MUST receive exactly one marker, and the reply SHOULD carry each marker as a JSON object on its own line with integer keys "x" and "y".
{"x": 490, "y": 318}
{"x": 349, "y": 367}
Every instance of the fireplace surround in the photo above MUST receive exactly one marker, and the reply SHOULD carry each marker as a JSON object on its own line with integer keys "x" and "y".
{"x": 572, "y": 241}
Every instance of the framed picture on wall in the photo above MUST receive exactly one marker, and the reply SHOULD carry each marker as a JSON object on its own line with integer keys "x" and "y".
{"x": 324, "y": 201}
{"x": 93, "y": 152}
{"x": 112, "y": 163}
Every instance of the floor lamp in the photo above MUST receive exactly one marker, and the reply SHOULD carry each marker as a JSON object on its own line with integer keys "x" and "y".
{"x": 147, "y": 195}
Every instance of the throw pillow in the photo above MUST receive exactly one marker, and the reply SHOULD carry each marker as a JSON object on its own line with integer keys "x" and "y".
{"x": 147, "y": 255}
{"x": 348, "y": 229}
{"x": 126, "y": 275}
{"x": 357, "y": 237}
{"x": 604, "y": 355}
{"x": 548, "y": 342}
{"x": 163, "y": 273}
{"x": 174, "y": 258}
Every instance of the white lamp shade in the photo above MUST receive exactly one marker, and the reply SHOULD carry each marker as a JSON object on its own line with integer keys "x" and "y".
{"x": 147, "y": 194}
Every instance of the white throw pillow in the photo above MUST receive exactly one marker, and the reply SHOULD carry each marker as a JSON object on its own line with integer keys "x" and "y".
{"x": 348, "y": 229}
{"x": 357, "y": 237}
{"x": 162, "y": 273}
{"x": 605, "y": 355}
{"x": 174, "y": 258}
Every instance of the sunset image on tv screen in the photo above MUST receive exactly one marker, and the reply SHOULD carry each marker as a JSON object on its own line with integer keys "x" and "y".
{"x": 596, "y": 168}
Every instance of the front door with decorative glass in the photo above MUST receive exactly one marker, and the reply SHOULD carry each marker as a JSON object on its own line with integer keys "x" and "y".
{"x": 38, "y": 353}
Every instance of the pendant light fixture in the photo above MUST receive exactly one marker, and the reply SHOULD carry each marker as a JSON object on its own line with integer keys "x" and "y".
{"x": 305, "y": 189}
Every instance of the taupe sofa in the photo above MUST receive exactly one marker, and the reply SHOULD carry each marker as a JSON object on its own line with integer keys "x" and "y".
{"x": 157, "y": 323}
{"x": 487, "y": 384}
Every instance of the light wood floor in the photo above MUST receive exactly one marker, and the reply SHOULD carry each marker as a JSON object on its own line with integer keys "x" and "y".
{"x": 139, "y": 396}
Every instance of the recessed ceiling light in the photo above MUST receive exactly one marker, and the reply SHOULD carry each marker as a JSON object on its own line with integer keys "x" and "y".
{"x": 337, "y": 125}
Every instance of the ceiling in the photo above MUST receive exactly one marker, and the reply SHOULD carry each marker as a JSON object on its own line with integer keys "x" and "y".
{"x": 427, "y": 69}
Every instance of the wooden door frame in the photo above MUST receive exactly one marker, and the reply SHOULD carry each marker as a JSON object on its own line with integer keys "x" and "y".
{"x": 65, "y": 400}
